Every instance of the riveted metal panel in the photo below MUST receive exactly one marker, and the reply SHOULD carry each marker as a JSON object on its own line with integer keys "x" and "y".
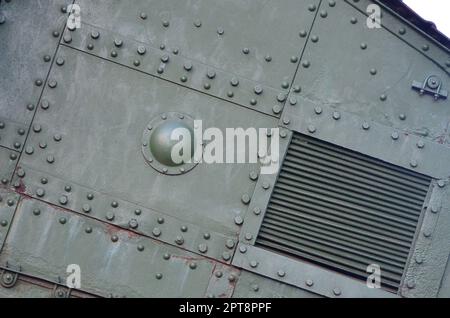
{"x": 8, "y": 160}
{"x": 100, "y": 150}
{"x": 255, "y": 286}
{"x": 8, "y": 204}
{"x": 302, "y": 274}
{"x": 27, "y": 50}
{"x": 429, "y": 258}
{"x": 223, "y": 281}
{"x": 372, "y": 78}
{"x": 370, "y": 138}
{"x": 112, "y": 261}
{"x": 215, "y": 33}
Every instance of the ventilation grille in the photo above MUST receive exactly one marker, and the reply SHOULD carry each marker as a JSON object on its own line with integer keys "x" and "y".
{"x": 343, "y": 210}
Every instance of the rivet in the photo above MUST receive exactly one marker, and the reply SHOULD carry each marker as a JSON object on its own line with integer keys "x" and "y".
{"x": 255, "y": 288}
{"x": 411, "y": 284}
{"x": 20, "y": 173}
{"x": 159, "y": 276}
{"x": 160, "y": 220}
{"x": 143, "y": 15}
{"x": 47, "y": 58}
{"x": 184, "y": 228}
{"x": 206, "y": 236}
{"x": 193, "y": 265}
{"x": 318, "y": 110}
{"x": 413, "y": 163}
{"x": 183, "y": 78}
{"x": 402, "y": 31}
{"x": 309, "y": 282}
{"x": 248, "y": 236}
{"x": 314, "y": 38}
{"x": 373, "y": 71}
{"x": 286, "y": 120}
{"x": 281, "y": 97}
{"x": 55, "y": 34}
{"x": 57, "y": 138}
{"x": 38, "y": 82}
{"x": 441, "y": 183}
{"x": 234, "y": 81}
{"x": 118, "y": 42}
{"x": 95, "y": 35}
{"x": 10, "y": 202}
{"x": 136, "y": 63}
{"x": 90, "y": 46}
{"x": 435, "y": 209}
{"x": 292, "y": 101}
{"x": 29, "y": 150}
{"x": 336, "y": 291}
{"x": 266, "y": 185}
{"x": 230, "y": 94}
{"x": 283, "y": 133}
{"x": 50, "y": 159}
{"x": 36, "y": 211}
{"x": 258, "y": 89}
{"x": 179, "y": 240}
{"x": 268, "y": 58}
{"x": 395, "y": 135}
{"x": 311, "y": 129}
{"x": 60, "y": 61}
{"x": 90, "y": 196}
{"x": 13, "y": 156}
{"x": 231, "y": 278}
{"x": 238, "y": 220}
{"x": 245, "y": 199}
{"x": 306, "y": 64}
{"x": 220, "y": 31}
{"x": 276, "y": 109}
{"x": 138, "y": 211}
{"x": 44, "y": 180}
{"x": 257, "y": 211}
{"x": 114, "y": 238}
{"x": 4, "y": 223}
{"x": 226, "y": 256}
{"x": 302, "y": 33}
{"x": 113, "y": 53}
{"x": 229, "y": 244}
{"x": 426, "y": 233}
{"x": 202, "y": 248}
{"x": 402, "y": 116}
{"x": 17, "y": 145}
{"x": 420, "y": 144}
{"x": 88, "y": 229}
{"x": 45, "y": 104}
{"x": 62, "y": 220}
{"x": 67, "y": 38}
{"x": 198, "y": 23}
{"x": 312, "y": 7}
{"x": 165, "y": 23}
{"x": 245, "y": 50}
{"x": 336, "y": 115}
{"x": 242, "y": 249}
{"x": 425, "y": 47}
{"x": 281, "y": 273}
{"x": 363, "y": 46}
{"x": 156, "y": 232}
{"x": 140, "y": 248}
{"x": 110, "y": 216}
{"x": 418, "y": 259}
{"x": 253, "y": 264}
{"x": 294, "y": 59}
{"x": 253, "y": 101}
{"x": 166, "y": 256}
{"x": 133, "y": 224}
{"x": 86, "y": 208}
{"x": 383, "y": 97}
{"x": 366, "y": 125}
{"x": 323, "y": 14}
{"x": 353, "y": 20}
{"x": 141, "y": 50}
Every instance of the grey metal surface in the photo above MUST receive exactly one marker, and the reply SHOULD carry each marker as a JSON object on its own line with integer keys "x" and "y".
{"x": 8, "y": 204}
{"x": 112, "y": 261}
{"x": 8, "y": 160}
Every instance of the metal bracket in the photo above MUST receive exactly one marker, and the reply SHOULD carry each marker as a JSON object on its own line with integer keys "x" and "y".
{"x": 8, "y": 279}
{"x": 431, "y": 85}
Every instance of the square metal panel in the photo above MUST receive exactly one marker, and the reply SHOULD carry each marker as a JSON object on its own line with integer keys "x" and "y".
{"x": 89, "y": 137}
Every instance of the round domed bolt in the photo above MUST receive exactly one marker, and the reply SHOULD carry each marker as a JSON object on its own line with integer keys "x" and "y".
{"x": 285, "y": 85}
{"x": 114, "y": 204}
{"x": 45, "y": 104}
{"x": 55, "y": 34}
{"x": 162, "y": 46}
{"x": 312, "y": 7}
{"x": 226, "y": 256}
{"x": 232, "y": 278}
{"x": 253, "y": 101}
{"x": 318, "y": 110}
{"x": 234, "y": 82}
{"x": 336, "y": 115}
{"x": 402, "y": 31}
{"x": 156, "y": 232}
{"x": 166, "y": 256}
{"x": 256, "y": 211}
{"x": 86, "y": 208}
{"x": 243, "y": 249}
{"x": 57, "y": 138}
{"x": 314, "y": 38}
{"x": 110, "y": 216}
{"x": 143, "y": 15}
{"x": 353, "y": 20}
{"x": 294, "y": 59}
{"x": 60, "y": 61}
{"x": 17, "y": 145}
{"x": 336, "y": 291}
{"x": 248, "y": 236}
{"x": 206, "y": 236}
{"x": 88, "y": 229}
{"x": 13, "y": 156}
{"x": 188, "y": 66}
{"x": 383, "y": 97}
{"x": 281, "y": 273}
{"x": 37, "y": 128}
{"x": 238, "y": 220}
{"x": 276, "y": 109}
{"x": 425, "y": 47}
{"x": 266, "y": 185}
{"x": 3, "y": 223}
{"x": 268, "y": 58}
{"x": 220, "y": 31}
{"x": 140, "y": 248}
{"x": 118, "y": 42}
{"x": 373, "y": 71}
{"x": 230, "y": 94}
{"x": 2, "y": 18}
{"x": 2, "y": 125}
{"x": 138, "y": 211}
{"x": 67, "y": 188}
{"x": 206, "y": 86}
{"x": 179, "y": 240}
{"x": 427, "y": 233}
{"x": 184, "y": 228}
{"x": 62, "y": 220}
{"x": 411, "y": 284}
{"x": 210, "y": 74}
{"x": 159, "y": 276}
{"x": 255, "y": 288}
{"x": 323, "y": 14}
{"x": 183, "y": 78}
{"x": 281, "y": 97}
{"x": 402, "y": 116}
{"x": 136, "y": 63}
{"x": 44, "y": 180}
{"x": 40, "y": 192}
{"x": 258, "y": 89}
{"x": 36, "y": 212}
{"x": 363, "y": 46}
{"x": 245, "y": 199}
{"x": 20, "y": 173}
{"x": 160, "y": 70}
{"x": 95, "y": 35}
{"x": 306, "y": 64}
{"x": 230, "y": 243}
{"x": 413, "y": 163}
{"x": 90, "y": 196}
{"x": 133, "y": 224}
{"x": 21, "y": 131}
{"x": 395, "y": 135}
{"x": 418, "y": 259}
{"x": 441, "y": 183}
{"x": 197, "y": 23}
{"x": 253, "y": 175}
{"x": 303, "y": 33}
{"x": 286, "y": 120}
{"x": 420, "y": 144}
{"x": 113, "y": 53}
{"x": 246, "y": 50}
{"x": 192, "y": 265}
{"x": 218, "y": 274}
{"x": 114, "y": 238}
{"x": 309, "y": 282}
{"x": 47, "y": 58}
{"x": 292, "y": 101}
{"x": 160, "y": 220}
{"x": 365, "y": 126}
{"x": 38, "y": 82}
{"x": 253, "y": 264}
{"x": 141, "y": 50}
{"x": 10, "y": 202}
{"x": 67, "y": 38}
{"x": 202, "y": 248}
{"x": 63, "y": 200}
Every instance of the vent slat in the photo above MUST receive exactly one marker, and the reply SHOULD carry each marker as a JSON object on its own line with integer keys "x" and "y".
{"x": 343, "y": 210}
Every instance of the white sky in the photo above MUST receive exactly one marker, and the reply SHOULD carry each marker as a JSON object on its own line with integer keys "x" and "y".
{"x": 437, "y": 11}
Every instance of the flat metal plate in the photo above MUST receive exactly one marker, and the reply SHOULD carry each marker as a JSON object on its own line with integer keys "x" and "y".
{"x": 27, "y": 37}
{"x": 8, "y": 160}
{"x": 260, "y": 26}
{"x": 111, "y": 260}
{"x": 92, "y": 140}
{"x": 255, "y": 286}
{"x": 369, "y": 73}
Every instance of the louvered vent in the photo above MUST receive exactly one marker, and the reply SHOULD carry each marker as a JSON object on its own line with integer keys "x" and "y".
{"x": 343, "y": 210}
